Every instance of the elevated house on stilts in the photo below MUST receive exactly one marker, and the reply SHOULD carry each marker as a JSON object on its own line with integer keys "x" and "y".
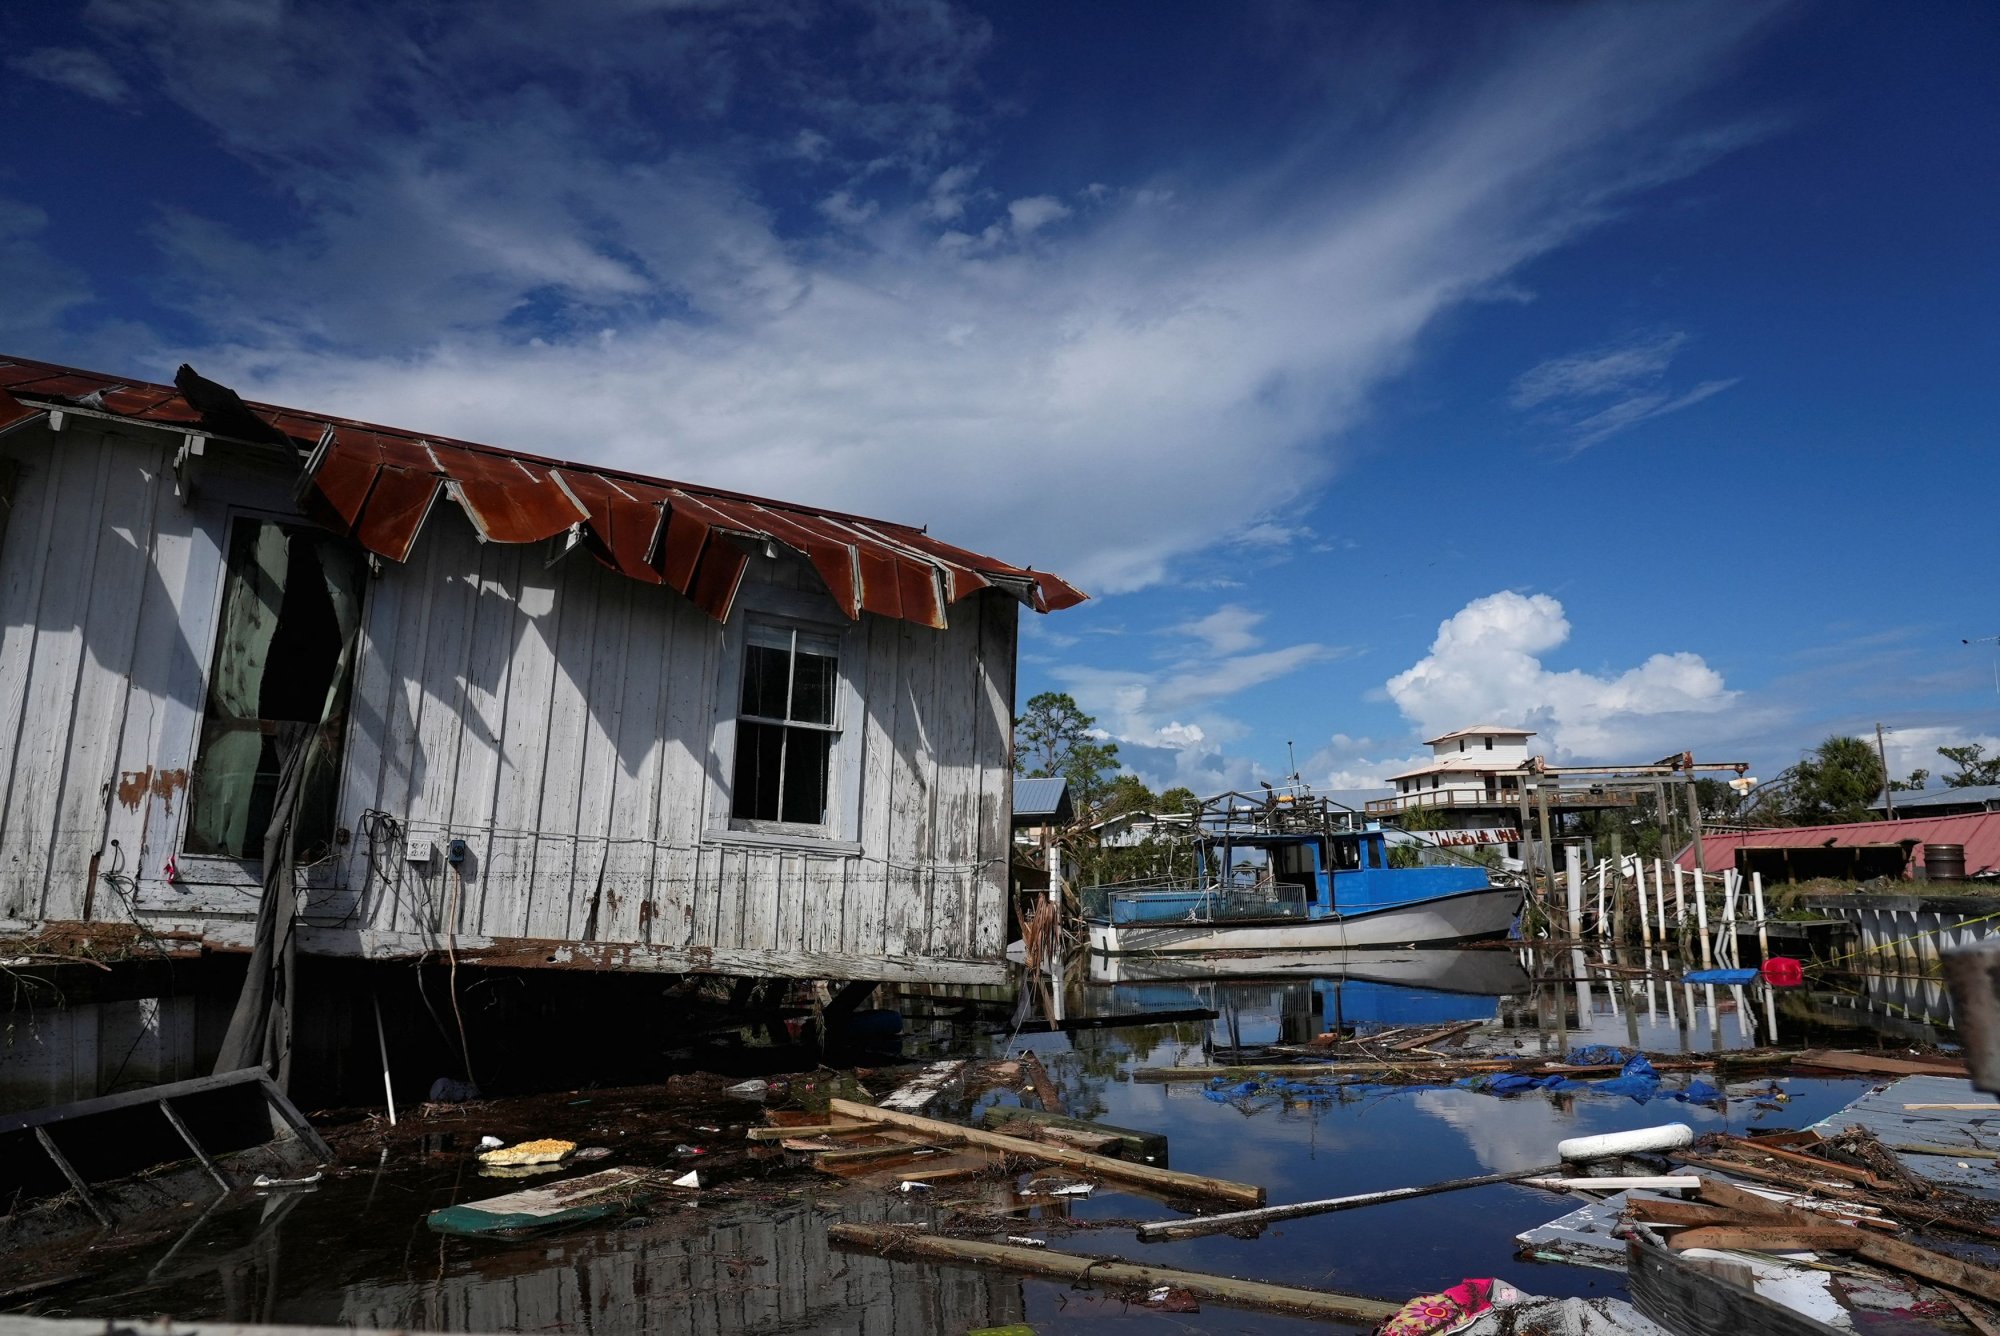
{"x": 437, "y": 696}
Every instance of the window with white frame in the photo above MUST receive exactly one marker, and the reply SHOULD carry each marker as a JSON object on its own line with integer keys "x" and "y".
{"x": 787, "y": 726}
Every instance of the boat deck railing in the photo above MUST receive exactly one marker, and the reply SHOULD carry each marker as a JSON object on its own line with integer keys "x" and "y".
{"x": 1159, "y": 901}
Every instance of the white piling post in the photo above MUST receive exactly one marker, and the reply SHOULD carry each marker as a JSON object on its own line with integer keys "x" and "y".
{"x": 1731, "y": 879}
{"x": 1660, "y": 896}
{"x": 1602, "y": 929}
{"x": 1746, "y": 1020}
{"x": 1771, "y": 1011}
{"x": 1645, "y": 913}
{"x": 1714, "y": 1019}
{"x": 1680, "y": 898}
{"x": 1573, "y": 883}
{"x": 1701, "y": 915}
{"x": 1757, "y": 906}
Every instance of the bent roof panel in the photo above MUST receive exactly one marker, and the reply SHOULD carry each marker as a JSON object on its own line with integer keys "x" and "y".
{"x": 378, "y": 484}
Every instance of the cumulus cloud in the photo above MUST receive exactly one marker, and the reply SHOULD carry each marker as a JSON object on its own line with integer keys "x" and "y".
{"x": 1486, "y": 666}
{"x": 1592, "y": 396}
{"x": 577, "y": 232}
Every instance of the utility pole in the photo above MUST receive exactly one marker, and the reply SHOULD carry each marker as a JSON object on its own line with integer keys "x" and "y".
{"x": 1888, "y": 788}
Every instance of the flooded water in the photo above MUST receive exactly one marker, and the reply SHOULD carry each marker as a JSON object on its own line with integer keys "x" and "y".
{"x": 356, "y": 1251}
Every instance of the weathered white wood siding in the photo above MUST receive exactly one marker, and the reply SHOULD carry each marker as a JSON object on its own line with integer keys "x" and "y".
{"x": 570, "y": 725}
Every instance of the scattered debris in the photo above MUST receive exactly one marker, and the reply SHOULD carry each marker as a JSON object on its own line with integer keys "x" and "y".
{"x": 551, "y": 1206}
{"x": 546, "y": 1150}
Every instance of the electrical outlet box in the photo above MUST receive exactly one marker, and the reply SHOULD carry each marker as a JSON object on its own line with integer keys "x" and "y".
{"x": 419, "y": 852}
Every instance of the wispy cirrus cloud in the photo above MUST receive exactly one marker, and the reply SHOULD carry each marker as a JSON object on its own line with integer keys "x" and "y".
{"x": 1592, "y": 396}
{"x": 757, "y": 242}
{"x": 75, "y": 68}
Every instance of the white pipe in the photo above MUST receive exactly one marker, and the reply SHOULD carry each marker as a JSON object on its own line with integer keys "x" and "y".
{"x": 1701, "y": 915}
{"x": 1680, "y": 899}
{"x": 1757, "y": 905}
{"x": 1668, "y": 1136}
{"x": 1771, "y": 1010}
{"x": 1645, "y": 911}
{"x": 1573, "y": 883}
{"x": 1660, "y": 896}
{"x": 1602, "y": 927}
{"x": 388, "y": 1091}
{"x": 1639, "y": 1182}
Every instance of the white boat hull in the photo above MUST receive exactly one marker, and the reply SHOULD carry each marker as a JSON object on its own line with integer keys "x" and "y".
{"x": 1485, "y": 970}
{"x": 1466, "y": 916}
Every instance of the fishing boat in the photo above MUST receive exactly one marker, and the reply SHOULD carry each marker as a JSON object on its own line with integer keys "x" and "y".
{"x": 1288, "y": 871}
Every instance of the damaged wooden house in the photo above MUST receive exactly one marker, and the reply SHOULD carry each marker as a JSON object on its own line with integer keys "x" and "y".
{"x": 531, "y": 713}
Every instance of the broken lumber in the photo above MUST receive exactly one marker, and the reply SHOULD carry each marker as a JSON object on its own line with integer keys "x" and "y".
{"x": 1770, "y": 1238}
{"x": 1880, "y": 1064}
{"x": 1157, "y": 1230}
{"x": 1430, "y": 1037}
{"x": 1045, "y": 1089}
{"x": 1146, "y": 1147}
{"x": 1838, "y": 1170}
{"x": 1118, "y": 1171}
{"x": 1923, "y": 1263}
{"x": 1949, "y": 1152}
{"x": 1114, "y": 1273}
{"x": 918, "y": 1093}
{"x": 803, "y": 1130}
{"x": 865, "y": 1153}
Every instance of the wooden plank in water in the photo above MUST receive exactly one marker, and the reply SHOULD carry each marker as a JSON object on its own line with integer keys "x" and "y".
{"x": 1145, "y": 1147}
{"x": 1119, "y": 1171}
{"x": 915, "y": 1095}
{"x": 1113, "y": 1273}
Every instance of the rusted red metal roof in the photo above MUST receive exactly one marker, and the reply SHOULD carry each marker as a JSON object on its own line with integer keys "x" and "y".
{"x": 378, "y": 484}
{"x": 1979, "y": 832}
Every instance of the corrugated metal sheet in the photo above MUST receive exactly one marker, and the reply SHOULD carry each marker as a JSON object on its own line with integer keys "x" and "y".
{"x": 379, "y": 484}
{"x": 1969, "y": 796}
{"x": 1041, "y": 800}
{"x": 1979, "y": 832}
{"x": 1883, "y": 1112}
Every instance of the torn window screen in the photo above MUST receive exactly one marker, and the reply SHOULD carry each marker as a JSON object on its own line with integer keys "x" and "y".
{"x": 291, "y": 604}
{"x": 786, "y": 728}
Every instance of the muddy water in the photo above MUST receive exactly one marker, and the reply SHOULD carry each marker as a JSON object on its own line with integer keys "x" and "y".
{"x": 751, "y": 1255}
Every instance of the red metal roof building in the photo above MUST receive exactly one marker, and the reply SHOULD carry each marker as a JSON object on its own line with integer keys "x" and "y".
{"x": 1977, "y": 832}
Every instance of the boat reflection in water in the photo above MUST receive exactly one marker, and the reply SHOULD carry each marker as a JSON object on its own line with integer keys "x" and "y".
{"x": 1289, "y": 998}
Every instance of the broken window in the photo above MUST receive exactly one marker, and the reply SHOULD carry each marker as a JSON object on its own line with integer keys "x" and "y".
{"x": 786, "y": 728}
{"x": 291, "y": 605}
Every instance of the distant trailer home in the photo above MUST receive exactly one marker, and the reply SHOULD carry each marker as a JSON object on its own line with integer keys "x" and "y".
{"x": 542, "y": 714}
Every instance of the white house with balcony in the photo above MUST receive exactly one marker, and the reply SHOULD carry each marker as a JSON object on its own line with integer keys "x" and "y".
{"x": 1469, "y": 769}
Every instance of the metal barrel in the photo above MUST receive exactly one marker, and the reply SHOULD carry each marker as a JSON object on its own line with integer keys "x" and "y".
{"x": 1944, "y": 862}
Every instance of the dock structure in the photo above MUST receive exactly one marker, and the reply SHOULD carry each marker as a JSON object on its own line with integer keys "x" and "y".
{"x": 440, "y": 698}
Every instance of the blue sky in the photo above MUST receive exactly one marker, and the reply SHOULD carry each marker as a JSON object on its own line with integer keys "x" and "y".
{"x": 1624, "y": 371}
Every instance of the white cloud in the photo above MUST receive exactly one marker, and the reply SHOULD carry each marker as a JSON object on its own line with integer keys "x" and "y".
{"x": 1592, "y": 396}
{"x": 1917, "y": 749}
{"x": 40, "y": 290}
{"x": 76, "y": 68}
{"x": 497, "y": 241}
{"x": 1230, "y": 629}
{"x": 1035, "y": 212}
{"x": 1485, "y": 666}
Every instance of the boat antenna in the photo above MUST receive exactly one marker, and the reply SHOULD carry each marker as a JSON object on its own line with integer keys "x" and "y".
{"x": 1292, "y": 760}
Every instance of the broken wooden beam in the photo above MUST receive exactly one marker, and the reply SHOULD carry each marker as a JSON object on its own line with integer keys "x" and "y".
{"x": 1924, "y": 1263}
{"x": 805, "y": 1130}
{"x": 1768, "y": 1237}
{"x": 1145, "y": 1147}
{"x": 922, "y": 1090}
{"x": 1113, "y": 1273}
{"x": 1170, "y": 1181}
{"x": 1045, "y": 1089}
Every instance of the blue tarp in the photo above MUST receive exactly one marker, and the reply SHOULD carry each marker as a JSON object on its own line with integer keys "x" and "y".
{"x": 1636, "y": 1080}
{"x": 1719, "y": 976}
